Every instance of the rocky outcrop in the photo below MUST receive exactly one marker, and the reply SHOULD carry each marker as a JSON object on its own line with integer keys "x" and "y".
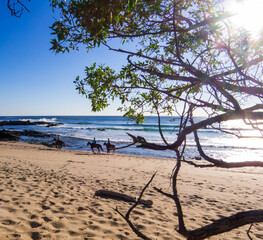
{"x": 31, "y": 133}
{"x": 24, "y": 123}
{"x": 6, "y": 135}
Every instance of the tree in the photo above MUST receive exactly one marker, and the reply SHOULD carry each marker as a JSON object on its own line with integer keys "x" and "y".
{"x": 17, "y": 7}
{"x": 189, "y": 57}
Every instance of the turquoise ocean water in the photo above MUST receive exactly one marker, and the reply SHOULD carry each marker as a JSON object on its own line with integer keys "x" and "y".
{"x": 76, "y": 131}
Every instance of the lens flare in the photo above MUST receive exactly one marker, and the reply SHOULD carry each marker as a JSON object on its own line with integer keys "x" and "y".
{"x": 247, "y": 14}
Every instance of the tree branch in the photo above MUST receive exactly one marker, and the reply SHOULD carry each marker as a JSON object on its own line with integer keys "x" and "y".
{"x": 221, "y": 163}
{"x": 226, "y": 224}
{"x": 126, "y": 217}
{"x": 14, "y": 12}
{"x": 242, "y": 114}
{"x": 164, "y": 193}
{"x": 182, "y": 229}
{"x": 248, "y": 231}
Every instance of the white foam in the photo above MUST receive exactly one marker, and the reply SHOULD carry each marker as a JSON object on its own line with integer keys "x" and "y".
{"x": 48, "y": 120}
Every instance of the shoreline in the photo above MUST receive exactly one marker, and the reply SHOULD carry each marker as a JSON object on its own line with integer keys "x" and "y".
{"x": 47, "y": 193}
{"x": 76, "y": 131}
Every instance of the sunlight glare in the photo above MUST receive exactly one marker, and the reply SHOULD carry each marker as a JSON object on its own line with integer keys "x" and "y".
{"x": 248, "y": 14}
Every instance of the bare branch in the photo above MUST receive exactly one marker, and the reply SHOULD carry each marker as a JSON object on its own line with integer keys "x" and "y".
{"x": 182, "y": 229}
{"x": 164, "y": 193}
{"x": 129, "y": 145}
{"x": 141, "y": 194}
{"x": 126, "y": 217}
{"x": 242, "y": 114}
{"x": 248, "y": 231}
{"x": 134, "y": 229}
{"x": 221, "y": 163}
{"x": 226, "y": 224}
{"x": 159, "y": 126}
{"x": 13, "y": 8}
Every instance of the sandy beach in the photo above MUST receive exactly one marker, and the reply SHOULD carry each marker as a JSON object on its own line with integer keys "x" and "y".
{"x": 49, "y": 194}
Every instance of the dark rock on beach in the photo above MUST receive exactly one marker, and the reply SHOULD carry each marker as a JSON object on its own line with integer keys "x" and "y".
{"x": 6, "y": 135}
{"x": 101, "y": 129}
{"x": 25, "y": 123}
{"x": 53, "y": 124}
{"x": 31, "y": 133}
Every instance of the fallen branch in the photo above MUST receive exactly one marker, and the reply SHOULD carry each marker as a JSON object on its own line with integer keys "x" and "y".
{"x": 121, "y": 196}
{"x": 226, "y": 224}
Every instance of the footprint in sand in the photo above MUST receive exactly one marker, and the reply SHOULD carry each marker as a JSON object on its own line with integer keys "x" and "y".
{"x": 138, "y": 212}
{"x": 33, "y": 216}
{"x": 58, "y": 224}
{"x": 89, "y": 235}
{"x": 44, "y": 207}
{"x": 8, "y": 222}
{"x": 120, "y": 236}
{"x": 35, "y": 224}
{"x": 81, "y": 209}
{"x": 16, "y": 236}
{"x": 94, "y": 227}
{"x": 11, "y": 210}
{"x": 73, "y": 234}
{"x": 46, "y": 219}
{"x": 113, "y": 223}
{"x": 35, "y": 236}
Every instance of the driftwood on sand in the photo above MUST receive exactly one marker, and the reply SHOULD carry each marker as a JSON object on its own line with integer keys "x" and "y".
{"x": 121, "y": 196}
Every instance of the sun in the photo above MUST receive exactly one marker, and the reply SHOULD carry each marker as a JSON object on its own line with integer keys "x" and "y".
{"x": 247, "y": 14}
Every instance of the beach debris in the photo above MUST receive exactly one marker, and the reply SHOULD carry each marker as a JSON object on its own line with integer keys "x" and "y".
{"x": 121, "y": 196}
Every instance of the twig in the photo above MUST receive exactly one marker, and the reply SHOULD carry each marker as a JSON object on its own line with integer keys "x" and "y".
{"x": 126, "y": 217}
{"x": 164, "y": 193}
{"x": 134, "y": 229}
{"x": 14, "y": 12}
{"x": 138, "y": 200}
{"x": 249, "y": 231}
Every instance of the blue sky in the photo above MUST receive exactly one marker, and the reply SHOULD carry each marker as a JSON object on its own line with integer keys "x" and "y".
{"x": 36, "y": 81}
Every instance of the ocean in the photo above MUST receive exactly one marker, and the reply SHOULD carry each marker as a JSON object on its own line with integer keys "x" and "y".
{"x": 76, "y": 131}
